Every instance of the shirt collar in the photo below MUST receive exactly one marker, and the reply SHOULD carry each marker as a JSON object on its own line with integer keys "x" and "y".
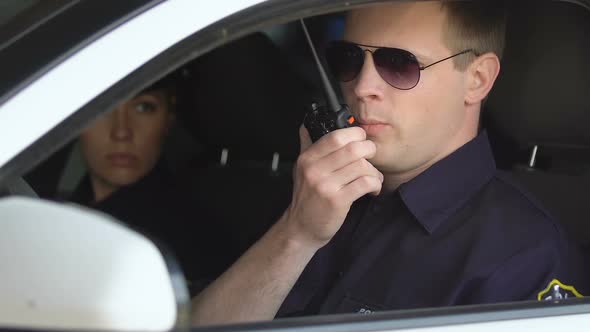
{"x": 438, "y": 192}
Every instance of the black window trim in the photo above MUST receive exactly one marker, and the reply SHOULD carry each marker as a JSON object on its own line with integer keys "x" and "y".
{"x": 17, "y": 27}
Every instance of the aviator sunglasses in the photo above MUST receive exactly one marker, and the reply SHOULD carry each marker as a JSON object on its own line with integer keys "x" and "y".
{"x": 399, "y": 68}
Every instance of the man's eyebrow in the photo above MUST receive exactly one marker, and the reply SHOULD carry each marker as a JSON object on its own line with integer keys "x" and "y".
{"x": 422, "y": 58}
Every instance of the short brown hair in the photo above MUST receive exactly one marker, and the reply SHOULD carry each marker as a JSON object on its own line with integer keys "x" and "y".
{"x": 478, "y": 25}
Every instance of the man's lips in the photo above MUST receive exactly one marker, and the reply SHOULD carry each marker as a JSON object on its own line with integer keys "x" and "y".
{"x": 122, "y": 159}
{"x": 373, "y": 127}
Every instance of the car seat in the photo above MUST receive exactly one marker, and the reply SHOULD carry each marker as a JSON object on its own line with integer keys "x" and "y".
{"x": 248, "y": 105}
{"x": 538, "y": 114}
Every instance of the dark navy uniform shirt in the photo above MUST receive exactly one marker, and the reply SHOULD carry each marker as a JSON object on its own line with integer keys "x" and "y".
{"x": 459, "y": 233}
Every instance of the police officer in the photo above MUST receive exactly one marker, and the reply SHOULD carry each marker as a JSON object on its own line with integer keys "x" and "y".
{"x": 441, "y": 225}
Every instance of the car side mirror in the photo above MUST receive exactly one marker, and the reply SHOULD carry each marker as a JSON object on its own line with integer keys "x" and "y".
{"x": 66, "y": 267}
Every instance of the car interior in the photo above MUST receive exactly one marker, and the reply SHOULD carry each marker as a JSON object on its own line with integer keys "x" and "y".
{"x": 537, "y": 110}
{"x": 237, "y": 137}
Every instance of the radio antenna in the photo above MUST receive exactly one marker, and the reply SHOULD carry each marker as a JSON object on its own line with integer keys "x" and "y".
{"x": 330, "y": 93}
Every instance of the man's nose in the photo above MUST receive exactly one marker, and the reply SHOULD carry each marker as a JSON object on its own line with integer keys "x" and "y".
{"x": 368, "y": 84}
{"x": 121, "y": 129}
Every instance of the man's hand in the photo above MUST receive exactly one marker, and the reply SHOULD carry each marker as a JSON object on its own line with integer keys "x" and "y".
{"x": 328, "y": 177}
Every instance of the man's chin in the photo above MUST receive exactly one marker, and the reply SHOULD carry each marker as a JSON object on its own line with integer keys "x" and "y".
{"x": 390, "y": 166}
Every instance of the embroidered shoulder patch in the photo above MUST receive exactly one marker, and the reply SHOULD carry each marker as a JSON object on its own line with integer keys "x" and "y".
{"x": 556, "y": 291}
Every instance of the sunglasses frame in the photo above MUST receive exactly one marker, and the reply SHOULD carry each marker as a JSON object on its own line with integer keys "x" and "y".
{"x": 412, "y": 57}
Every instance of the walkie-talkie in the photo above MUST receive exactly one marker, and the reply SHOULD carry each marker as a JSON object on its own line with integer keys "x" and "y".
{"x": 322, "y": 119}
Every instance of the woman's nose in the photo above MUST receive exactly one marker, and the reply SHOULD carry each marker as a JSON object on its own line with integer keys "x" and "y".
{"x": 121, "y": 129}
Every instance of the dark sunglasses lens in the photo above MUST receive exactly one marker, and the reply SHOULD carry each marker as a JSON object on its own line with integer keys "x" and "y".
{"x": 397, "y": 67}
{"x": 345, "y": 60}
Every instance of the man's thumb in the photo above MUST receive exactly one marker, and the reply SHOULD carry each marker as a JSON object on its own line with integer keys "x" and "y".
{"x": 304, "y": 139}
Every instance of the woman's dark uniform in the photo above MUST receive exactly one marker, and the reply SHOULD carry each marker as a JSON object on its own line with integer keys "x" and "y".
{"x": 159, "y": 207}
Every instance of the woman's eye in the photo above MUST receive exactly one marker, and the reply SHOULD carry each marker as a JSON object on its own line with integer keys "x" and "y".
{"x": 145, "y": 107}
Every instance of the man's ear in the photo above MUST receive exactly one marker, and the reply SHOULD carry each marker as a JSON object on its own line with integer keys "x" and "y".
{"x": 482, "y": 74}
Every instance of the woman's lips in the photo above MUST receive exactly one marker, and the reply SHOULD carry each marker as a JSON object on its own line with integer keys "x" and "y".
{"x": 122, "y": 159}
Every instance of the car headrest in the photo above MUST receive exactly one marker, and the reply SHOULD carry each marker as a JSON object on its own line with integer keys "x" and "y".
{"x": 541, "y": 95}
{"x": 249, "y": 100}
